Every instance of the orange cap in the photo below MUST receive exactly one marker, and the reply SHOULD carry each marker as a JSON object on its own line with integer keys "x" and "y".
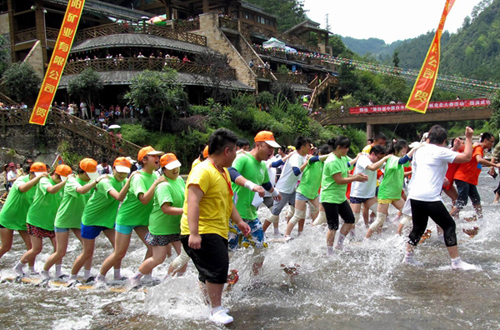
{"x": 90, "y": 167}
{"x": 268, "y": 137}
{"x": 122, "y": 165}
{"x": 169, "y": 161}
{"x": 38, "y": 168}
{"x": 63, "y": 171}
{"x": 205, "y": 152}
{"x": 149, "y": 150}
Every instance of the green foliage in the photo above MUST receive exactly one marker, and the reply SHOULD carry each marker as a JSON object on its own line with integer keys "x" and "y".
{"x": 288, "y": 12}
{"x": 282, "y": 69}
{"x": 161, "y": 92}
{"x": 87, "y": 85}
{"x": 265, "y": 98}
{"x": 21, "y": 81}
{"x": 495, "y": 118}
{"x": 70, "y": 158}
{"x": 4, "y": 55}
{"x": 136, "y": 134}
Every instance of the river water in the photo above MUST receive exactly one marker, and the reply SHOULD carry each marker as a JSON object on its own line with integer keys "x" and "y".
{"x": 364, "y": 287}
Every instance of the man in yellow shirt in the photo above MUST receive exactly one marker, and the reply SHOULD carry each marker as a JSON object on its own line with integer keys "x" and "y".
{"x": 205, "y": 221}
{"x": 380, "y": 139}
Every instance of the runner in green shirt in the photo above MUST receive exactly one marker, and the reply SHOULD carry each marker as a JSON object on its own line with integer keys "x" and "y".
{"x": 307, "y": 191}
{"x": 333, "y": 192}
{"x": 133, "y": 214}
{"x": 165, "y": 220}
{"x": 41, "y": 215}
{"x": 100, "y": 214}
{"x": 250, "y": 177}
{"x": 77, "y": 192}
{"x": 13, "y": 214}
{"x": 389, "y": 191}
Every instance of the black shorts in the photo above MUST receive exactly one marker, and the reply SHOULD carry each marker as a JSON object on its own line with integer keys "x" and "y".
{"x": 466, "y": 190}
{"x": 333, "y": 211}
{"x": 212, "y": 260}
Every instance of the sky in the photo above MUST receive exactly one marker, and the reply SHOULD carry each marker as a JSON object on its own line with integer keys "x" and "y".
{"x": 389, "y": 20}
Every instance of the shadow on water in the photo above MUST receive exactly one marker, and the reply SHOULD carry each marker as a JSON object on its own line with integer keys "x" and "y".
{"x": 364, "y": 287}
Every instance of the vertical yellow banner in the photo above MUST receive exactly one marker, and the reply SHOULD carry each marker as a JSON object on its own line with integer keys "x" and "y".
{"x": 426, "y": 80}
{"x": 57, "y": 62}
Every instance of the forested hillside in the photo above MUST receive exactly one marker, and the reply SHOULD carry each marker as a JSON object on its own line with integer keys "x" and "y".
{"x": 472, "y": 52}
{"x": 376, "y": 47}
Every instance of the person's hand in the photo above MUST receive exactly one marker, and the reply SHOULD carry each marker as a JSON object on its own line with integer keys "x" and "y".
{"x": 457, "y": 143}
{"x": 244, "y": 227}
{"x": 277, "y": 197}
{"x": 361, "y": 177}
{"x": 469, "y": 132}
{"x": 258, "y": 189}
{"x": 102, "y": 177}
{"x": 446, "y": 181}
{"x": 44, "y": 175}
{"x": 194, "y": 241}
{"x": 160, "y": 180}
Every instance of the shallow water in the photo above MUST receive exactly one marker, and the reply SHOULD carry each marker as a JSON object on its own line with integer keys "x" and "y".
{"x": 365, "y": 287}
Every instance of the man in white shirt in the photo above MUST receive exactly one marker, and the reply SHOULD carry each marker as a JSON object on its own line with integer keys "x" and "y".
{"x": 288, "y": 181}
{"x": 429, "y": 167}
{"x": 104, "y": 168}
{"x": 83, "y": 108}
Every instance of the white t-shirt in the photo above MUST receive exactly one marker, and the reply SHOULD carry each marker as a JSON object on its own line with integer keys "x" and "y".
{"x": 429, "y": 167}
{"x": 83, "y": 105}
{"x": 100, "y": 170}
{"x": 364, "y": 189}
{"x": 288, "y": 180}
{"x": 11, "y": 175}
{"x": 272, "y": 172}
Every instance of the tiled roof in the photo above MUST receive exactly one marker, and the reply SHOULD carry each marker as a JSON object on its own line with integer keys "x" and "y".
{"x": 301, "y": 88}
{"x": 124, "y": 78}
{"x": 137, "y": 40}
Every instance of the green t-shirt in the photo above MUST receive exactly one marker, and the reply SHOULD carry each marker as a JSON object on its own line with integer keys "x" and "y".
{"x": 101, "y": 209}
{"x": 70, "y": 211}
{"x": 332, "y": 192}
{"x": 252, "y": 170}
{"x": 133, "y": 212}
{"x": 392, "y": 183}
{"x": 42, "y": 212}
{"x": 171, "y": 191}
{"x": 13, "y": 214}
{"x": 311, "y": 180}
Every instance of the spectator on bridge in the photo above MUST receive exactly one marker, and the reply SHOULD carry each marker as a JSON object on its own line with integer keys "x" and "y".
{"x": 118, "y": 111}
{"x": 185, "y": 59}
{"x": 71, "y": 109}
{"x": 370, "y": 102}
{"x": 250, "y": 64}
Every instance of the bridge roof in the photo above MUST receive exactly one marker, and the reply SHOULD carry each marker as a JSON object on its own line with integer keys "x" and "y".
{"x": 108, "y": 9}
{"x": 137, "y": 40}
{"x": 190, "y": 79}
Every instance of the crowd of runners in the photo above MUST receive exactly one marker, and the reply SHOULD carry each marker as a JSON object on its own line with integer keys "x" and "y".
{"x": 215, "y": 211}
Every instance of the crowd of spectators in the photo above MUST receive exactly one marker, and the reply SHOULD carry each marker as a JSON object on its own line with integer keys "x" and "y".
{"x": 21, "y": 105}
{"x": 13, "y": 171}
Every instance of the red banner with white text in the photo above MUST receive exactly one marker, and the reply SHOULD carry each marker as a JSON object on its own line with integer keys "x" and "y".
{"x": 426, "y": 80}
{"x": 439, "y": 105}
{"x": 57, "y": 62}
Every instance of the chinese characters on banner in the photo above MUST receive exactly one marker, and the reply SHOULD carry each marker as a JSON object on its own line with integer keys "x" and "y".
{"x": 426, "y": 80}
{"x": 57, "y": 62}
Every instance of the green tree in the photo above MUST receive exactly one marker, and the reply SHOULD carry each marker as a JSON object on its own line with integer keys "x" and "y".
{"x": 395, "y": 59}
{"x": 87, "y": 85}
{"x": 4, "y": 55}
{"x": 158, "y": 90}
{"x": 21, "y": 81}
{"x": 288, "y": 12}
{"x": 495, "y": 118}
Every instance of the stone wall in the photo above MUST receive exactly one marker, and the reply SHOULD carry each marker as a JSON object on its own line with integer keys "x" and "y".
{"x": 209, "y": 27}
{"x": 35, "y": 58}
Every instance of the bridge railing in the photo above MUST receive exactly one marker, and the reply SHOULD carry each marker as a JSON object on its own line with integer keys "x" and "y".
{"x": 19, "y": 117}
{"x": 439, "y": 105}
{"x": 141, "y": 64}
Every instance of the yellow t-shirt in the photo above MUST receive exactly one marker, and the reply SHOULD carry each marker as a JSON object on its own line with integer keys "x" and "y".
{"x": 195, "y": 162}
{"x": 216, "y": 204}
{"x": 367, "y": 149}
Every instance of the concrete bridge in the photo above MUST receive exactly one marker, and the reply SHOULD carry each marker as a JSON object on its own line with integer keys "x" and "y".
{"x": 442, "y": 111}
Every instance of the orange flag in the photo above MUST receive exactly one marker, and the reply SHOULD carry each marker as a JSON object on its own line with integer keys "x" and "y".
{"x": 57, "y": 62}
{"x": 424, "y": 86}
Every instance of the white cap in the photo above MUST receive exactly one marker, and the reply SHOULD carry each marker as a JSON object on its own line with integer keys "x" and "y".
{"x": 39, "y": 173}
{"x": 172, "y": 165}
{"x": 93, "y": 175}
{"x": 122, "y": 169}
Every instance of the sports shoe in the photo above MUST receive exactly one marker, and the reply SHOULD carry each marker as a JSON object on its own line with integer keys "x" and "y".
{"x": 135, "y": 282}
{"x": 101, "y": 283}
{"x": 411, "y": 261}
{"x": 458, "y": 263}
{"x": 221, "y": 317}
{"x": 45, "y": 275}
{"x": 123, "y": 278}
{"x": 90, "y": 279}
{"x": 18, "y": 269}
{"x": 73, "y": 283}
